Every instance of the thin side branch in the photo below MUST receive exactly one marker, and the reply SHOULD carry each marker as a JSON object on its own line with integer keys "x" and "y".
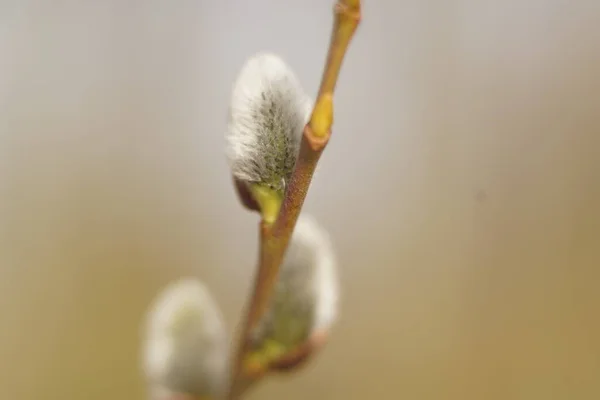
{"x": 274, "y": 238}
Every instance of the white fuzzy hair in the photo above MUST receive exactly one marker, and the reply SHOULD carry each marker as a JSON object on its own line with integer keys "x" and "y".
{"x": 307, "y": 290}
{"x": 267, "y": 115}
{"x": 185, "y": 347}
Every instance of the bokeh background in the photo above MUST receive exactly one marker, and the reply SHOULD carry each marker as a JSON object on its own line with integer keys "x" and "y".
{"x": 461, "y": 188}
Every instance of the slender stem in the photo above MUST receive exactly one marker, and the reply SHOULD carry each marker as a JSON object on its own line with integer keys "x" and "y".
{"x": 347, "y": 18}
{"x": 275, "y": 237}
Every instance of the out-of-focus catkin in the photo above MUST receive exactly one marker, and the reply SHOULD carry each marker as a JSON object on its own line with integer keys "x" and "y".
{"x": 185, "y": 343}
{"x": 305, "y": 298}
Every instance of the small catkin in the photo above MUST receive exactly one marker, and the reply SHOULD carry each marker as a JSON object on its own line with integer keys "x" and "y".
{"x": 185, "y": 347}
{"x": 305, "y": 298}
{"x": 267, "y": 115}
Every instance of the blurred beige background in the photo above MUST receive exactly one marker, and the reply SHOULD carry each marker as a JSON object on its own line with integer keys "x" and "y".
{"x": 461, "y": 186}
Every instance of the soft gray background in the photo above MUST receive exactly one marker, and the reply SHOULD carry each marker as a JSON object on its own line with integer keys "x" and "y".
{"x": 461, "y": 186}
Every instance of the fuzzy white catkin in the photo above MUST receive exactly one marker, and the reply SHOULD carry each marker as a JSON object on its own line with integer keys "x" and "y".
{"x": 185, "y": 347}
{"x": 267, "y": 114}
{"x": 305, "y": 299}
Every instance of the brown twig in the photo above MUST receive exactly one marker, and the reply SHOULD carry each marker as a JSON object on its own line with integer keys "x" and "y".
{"x": 274, "y": 238}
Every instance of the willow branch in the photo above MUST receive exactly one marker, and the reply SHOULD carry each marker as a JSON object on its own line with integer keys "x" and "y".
{"x": 274, "y": 238}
